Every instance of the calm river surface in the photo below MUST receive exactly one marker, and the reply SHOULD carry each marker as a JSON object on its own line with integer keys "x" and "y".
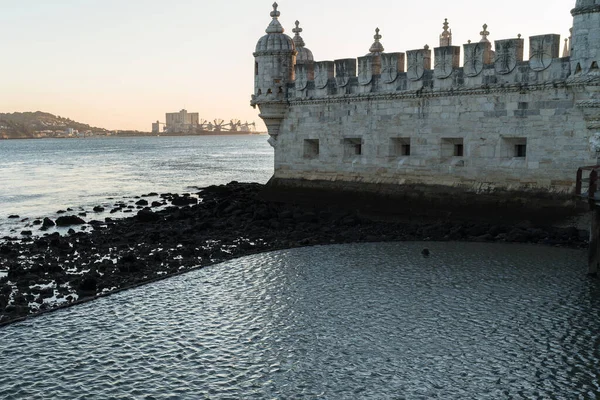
{"x": 368, "y": 321}
{"x": 39, "y": 177}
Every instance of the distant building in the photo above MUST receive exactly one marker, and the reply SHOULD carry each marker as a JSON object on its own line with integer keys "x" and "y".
{"x": 181, "y": 121}
{"x": 156, "y": 127}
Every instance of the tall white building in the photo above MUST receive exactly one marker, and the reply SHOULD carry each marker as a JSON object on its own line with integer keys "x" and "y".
{"x": 182, "y": 121}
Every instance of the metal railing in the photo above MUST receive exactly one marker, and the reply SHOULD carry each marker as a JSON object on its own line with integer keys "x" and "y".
{"x": 591, "y": 180}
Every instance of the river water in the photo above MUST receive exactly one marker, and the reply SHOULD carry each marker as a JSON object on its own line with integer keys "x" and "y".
{"x": 40, "y": 177}
{"x": 363, "y": 321}
{"x": 368, "y": 321}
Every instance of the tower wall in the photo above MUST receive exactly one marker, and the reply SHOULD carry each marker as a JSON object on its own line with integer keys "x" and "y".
{"x": 497, "y": 122}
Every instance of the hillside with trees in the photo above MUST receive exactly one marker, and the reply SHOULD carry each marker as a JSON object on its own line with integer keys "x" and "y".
{"x": 40, "y": 124}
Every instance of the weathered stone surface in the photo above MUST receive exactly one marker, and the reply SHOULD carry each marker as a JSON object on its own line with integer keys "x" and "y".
{"x": 497, "y": 124}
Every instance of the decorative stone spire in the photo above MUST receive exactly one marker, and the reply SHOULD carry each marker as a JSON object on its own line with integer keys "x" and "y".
{"x": 376, "y": 48}
{"x": 446, "y": 36}
{"x": 298, "y": 41}
{"x": 484, "y": 34}
{"x": 275, "y": 26}
{"x": 566, "y": 48}
{"x": 304, "y": 55}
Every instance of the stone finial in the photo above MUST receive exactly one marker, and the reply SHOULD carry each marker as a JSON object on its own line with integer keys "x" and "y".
{"x": 275, "y": 13}
{"x": 519, "y": 36}
{"x": 298, "y": 41}
{"x": 566, "y": 51}
{"x": 446, "y": 36}
{"x": 484, "y": 34}
{"x": 275, "y": 26}
{"x": 426, "y": 47}
{"x": 376, "y": 47}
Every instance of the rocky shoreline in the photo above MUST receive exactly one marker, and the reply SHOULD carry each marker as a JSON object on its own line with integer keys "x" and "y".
{"x": 38, "y": 275}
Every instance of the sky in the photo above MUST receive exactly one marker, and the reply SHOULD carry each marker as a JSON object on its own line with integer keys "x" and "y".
{"x": 122, "y": 64}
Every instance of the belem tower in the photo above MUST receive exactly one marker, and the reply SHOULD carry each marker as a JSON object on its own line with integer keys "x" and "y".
{"x": 419, "y": 119}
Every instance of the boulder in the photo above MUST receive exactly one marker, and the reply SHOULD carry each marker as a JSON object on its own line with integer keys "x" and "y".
{"x": 69, "y": 220}
{"x": 48, "y": 223}
{"x": 147, "y": 216}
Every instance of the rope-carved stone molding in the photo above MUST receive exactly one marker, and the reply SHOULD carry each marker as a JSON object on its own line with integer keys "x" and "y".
{"x": 588, "y": 103}
{"x": 427, "y": 94}
{"x": 585, "y": 10}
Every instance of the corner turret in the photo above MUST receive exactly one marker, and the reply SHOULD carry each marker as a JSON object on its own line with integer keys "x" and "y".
{"x": 275, "y": 58}
{"x": 585, "y": 44}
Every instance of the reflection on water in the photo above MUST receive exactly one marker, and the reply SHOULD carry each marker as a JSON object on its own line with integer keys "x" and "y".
{"x": 368, "y": 321}
{"x": 41, "y": 176}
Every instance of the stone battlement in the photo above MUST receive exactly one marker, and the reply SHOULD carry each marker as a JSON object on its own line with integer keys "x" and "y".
{"x": 417, "y": 72}
{"x": 495, "y": 123}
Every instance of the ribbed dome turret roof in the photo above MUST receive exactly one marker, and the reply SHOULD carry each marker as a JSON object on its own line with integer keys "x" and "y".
{"x": 304, "y": 56}
{"x": 275, "y": 39}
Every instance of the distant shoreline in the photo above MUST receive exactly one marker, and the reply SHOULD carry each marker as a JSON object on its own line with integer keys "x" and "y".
{"x": 130, "y": 135}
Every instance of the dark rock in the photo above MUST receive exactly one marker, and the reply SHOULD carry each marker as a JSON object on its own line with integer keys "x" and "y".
{"x": 184, "y": 201}
{"x": 156, "y": 204}
{"x": 61, "y": 212}
{"x": 142, "y": 203}
{"x": 518, "y": 236}
{"x": 147, "y": 216}
{"x": 98, "y": 209}
{"x": 87, "y": 287}
{"x": 13, "y": 217}
{"x": 48, "y": 223}
{"x": 484, "y": 238}
{"x": 26, "y": 233}
{"x": 69, "y": 220}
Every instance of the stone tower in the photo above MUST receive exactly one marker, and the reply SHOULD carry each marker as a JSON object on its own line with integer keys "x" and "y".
{"x": 275, "y": 58}
{"x": 585, "y": 45}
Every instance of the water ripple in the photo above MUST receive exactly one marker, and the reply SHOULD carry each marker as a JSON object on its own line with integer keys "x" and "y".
{"x": 369, "y": 321}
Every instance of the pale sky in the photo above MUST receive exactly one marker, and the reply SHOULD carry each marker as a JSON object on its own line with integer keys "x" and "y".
{"x": 122, "y": 64}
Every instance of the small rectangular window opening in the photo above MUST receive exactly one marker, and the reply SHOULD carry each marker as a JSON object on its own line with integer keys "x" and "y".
{"x": 458, "y": 150}
{"x": 353, "y": 147}
{"x": 514, "y": 147}
{"x": 452, "y": 147}
{"x": 311, "y": 148}
{"x": 520, "y": 150}
{"x": 400, "y": 147}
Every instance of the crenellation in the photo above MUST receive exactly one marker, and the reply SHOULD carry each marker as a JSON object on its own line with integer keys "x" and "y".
{"x": 498, "y": 121}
